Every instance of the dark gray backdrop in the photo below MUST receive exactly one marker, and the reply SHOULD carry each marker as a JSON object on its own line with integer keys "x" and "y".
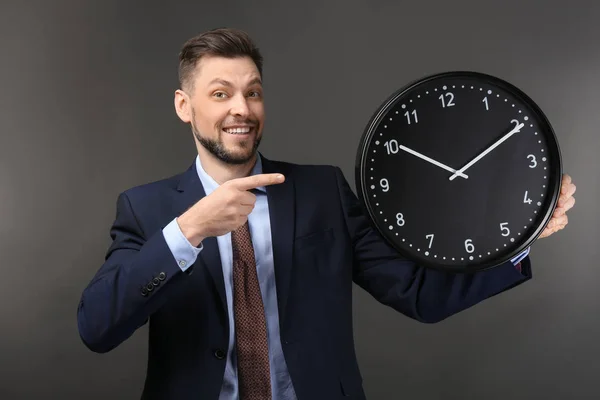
{"x": 86, "y": 111}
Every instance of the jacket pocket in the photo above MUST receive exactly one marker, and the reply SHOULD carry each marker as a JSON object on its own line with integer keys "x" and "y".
{"x": 313, "y": 239}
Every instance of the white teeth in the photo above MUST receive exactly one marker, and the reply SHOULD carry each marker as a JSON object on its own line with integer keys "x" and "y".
{"x": 238, "y": 130}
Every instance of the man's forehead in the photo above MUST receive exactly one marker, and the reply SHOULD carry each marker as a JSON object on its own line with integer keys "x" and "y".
{"x": 225, "y": 82}
{"x": 226, "y": 71}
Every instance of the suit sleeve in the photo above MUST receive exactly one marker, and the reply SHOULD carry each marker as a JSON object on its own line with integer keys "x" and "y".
{"x": 424, "y": 294}
{"x": 134, "y": 281}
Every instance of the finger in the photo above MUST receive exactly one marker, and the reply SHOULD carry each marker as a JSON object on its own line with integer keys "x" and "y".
{"x": 568, "y": 194}
{"x": 565, "y": 184}
{"x": 572, "y": 189}
{"x": 551, "y": 228}
{"x": 568, "y": 204}
{"x": 255, "y": 181}
{"x": 245, "y": 210}
{"x": 545, "y": 233}
{"x": 559, "y": 221}
{"x": 247, "y": 198}
{"x": 555, "y": 221}
{"x": 568, "y": 190}
{"x": 558, "y": 211}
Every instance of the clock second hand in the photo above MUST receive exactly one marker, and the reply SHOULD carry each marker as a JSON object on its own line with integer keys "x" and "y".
{"x": 492, "y": 147}
{"x": 439, "y": 164}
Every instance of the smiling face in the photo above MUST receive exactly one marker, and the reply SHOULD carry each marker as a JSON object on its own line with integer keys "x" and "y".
{"x": 224, "y": 105}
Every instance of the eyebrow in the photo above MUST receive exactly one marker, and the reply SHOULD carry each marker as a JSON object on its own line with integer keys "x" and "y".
{"x": 227, "y": 83}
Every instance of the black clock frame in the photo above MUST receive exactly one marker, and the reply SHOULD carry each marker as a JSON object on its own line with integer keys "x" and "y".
{"x": 553, "y": 146}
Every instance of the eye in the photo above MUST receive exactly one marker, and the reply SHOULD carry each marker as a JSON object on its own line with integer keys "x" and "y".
{"x": 220, "y": 95}
{"x": 255, "y": 94}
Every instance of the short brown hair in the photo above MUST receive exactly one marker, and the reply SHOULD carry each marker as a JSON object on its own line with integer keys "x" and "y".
{"x": 223, "y": 42}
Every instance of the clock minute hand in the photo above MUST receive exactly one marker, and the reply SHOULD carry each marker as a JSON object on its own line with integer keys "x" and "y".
{"x": 516, "y": 129}
{"x": 439, "y": 164}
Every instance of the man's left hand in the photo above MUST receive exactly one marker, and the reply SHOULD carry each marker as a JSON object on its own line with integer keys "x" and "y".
{"x": 565, "y": 202}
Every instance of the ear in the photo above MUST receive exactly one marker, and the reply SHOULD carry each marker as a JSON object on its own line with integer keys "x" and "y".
{"x": 183, "y": 106}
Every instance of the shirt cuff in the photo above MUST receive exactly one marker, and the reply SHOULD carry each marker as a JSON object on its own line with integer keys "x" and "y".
{"x": 183, "y": 251}
{"x": 516, "y": 260}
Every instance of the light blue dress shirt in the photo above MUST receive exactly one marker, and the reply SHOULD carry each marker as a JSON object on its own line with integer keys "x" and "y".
{"x": 260, "y": 230}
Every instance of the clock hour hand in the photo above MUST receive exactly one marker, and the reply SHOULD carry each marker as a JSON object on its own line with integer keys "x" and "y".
{"x": 514, "y": 130}
{"x": 439, "y": 164}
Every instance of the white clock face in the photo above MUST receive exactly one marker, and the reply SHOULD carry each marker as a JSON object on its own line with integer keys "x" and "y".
{"x": 460, "y": 171}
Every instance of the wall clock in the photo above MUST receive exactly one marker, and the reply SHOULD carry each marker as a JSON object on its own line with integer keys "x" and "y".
{"x": 459, "y": 171}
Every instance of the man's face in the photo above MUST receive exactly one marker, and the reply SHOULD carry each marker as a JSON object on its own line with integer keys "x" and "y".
{"x": 227, "y": 109}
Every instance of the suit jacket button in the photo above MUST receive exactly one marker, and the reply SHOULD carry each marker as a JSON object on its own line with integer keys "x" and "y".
{"x": 155, "y": 281}
{"x": 150, "y": 287}
{"x": 144, "y": 291}
{"x": 162, "y": 276}
{"x": 220, "y": 354}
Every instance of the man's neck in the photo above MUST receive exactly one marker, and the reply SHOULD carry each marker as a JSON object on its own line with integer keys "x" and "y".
{"x": 222, "y": 172}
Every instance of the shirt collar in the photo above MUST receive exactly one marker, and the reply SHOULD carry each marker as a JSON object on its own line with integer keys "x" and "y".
{"x": 210, "y": 184}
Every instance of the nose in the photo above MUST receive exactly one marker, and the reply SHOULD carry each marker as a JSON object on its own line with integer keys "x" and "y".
{"x": 240, "y": 106}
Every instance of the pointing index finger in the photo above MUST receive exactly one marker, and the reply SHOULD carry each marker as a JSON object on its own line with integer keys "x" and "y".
{"x": 255, "y": 181}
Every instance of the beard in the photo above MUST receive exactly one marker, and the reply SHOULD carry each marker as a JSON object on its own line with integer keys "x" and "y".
{"x": 217, "y": 148}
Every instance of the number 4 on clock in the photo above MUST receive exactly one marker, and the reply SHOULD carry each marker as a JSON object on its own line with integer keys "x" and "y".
{"x": 526, "y": 199}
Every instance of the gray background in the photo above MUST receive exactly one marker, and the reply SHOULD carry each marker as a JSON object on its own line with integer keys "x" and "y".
{"x": 86, "y": 111}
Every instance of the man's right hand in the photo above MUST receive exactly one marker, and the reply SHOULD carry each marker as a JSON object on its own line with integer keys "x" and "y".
{"x": 225, "y": 209}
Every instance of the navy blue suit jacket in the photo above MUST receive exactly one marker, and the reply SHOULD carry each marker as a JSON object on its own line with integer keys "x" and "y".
{"x": 322, "y": 243}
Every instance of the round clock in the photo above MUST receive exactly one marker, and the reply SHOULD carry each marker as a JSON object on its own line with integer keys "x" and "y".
{"x": 459, "y": 171}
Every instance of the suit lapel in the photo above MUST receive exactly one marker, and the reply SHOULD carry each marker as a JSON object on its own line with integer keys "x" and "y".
{"x": 281, "y": 199}
{"x": 191, "y": 192}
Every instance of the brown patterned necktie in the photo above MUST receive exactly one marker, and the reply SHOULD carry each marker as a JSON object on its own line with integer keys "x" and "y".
{"x": 254, "y": 378}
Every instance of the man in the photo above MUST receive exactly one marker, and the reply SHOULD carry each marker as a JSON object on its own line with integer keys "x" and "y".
{"x": 243, "y": 266}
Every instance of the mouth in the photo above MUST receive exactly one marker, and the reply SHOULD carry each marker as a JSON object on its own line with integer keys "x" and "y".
{"x": 239, "y": 130}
